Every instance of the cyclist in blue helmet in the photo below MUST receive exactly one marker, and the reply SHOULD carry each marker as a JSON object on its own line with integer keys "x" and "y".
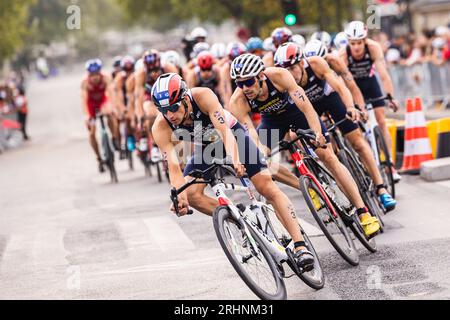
{"x": 255, "y": 46}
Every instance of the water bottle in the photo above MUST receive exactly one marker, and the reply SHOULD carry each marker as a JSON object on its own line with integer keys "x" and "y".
{"x": 131, "y": 143}
{"x": 263, "y": 223}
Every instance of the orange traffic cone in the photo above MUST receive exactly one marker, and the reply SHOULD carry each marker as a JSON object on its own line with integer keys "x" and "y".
{"x": 417, "y": 143}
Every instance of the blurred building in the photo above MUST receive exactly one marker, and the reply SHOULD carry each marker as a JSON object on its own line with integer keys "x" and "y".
{"x": 429, "y": 14}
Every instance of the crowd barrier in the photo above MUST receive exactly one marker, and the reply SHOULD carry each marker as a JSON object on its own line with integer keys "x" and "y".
{"x": 427, "y": 81}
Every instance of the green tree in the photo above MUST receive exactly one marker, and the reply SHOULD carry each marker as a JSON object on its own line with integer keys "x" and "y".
{"x": 13, "y": 27}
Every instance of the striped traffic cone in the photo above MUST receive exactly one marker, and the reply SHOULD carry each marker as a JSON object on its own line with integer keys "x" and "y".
{"x": 417, "y": 143}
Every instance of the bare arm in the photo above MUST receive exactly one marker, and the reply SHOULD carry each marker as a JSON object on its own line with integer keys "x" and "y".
{"x": 84, "y": 98}
{"x": 239, "y": 108}
{"x": 283, "y": 79}
{"x": 119, "y": 101}
{"x": 341, "y": 69}
{"x": 191, "y": 79}
{"x": 378, "y": 58}
{"x": 139, "y": 91}
{"x": 162, "y": 135}
{"x": 225, "y": 84}
{"x": 130, "y": 96}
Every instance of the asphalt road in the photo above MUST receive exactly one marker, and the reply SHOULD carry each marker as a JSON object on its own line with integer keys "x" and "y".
{"x": 67, "y": 233}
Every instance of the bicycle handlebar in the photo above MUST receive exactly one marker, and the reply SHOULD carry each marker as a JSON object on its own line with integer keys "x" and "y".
{"x": 306, "y": 135}
{"x": 199, "y": 174}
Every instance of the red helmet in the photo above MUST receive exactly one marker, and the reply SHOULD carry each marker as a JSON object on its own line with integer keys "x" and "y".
{"x": 152, "y": 59}
{"x": 168, "y": 90}
{"x": 287, "y": 55}
{"x": 280, "y": 36}
{"x": 205, "y": 60}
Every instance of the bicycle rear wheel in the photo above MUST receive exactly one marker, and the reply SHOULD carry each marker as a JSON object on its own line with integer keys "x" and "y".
{"x": 386, "y": 167}
{"x": 258, "y": 270}
{"x": 314, "y": 278}
{"x": 332, "y": 226}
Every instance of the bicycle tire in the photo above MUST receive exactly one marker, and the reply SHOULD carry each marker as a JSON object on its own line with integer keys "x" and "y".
{"x": 358, "y": 174}
{"x": 386, "y": 169}
{"x": 221, "y": 214}
{"x": 352, "y": 257}
{"x": 109, "y": 158}
{"x": 313, "y": 282}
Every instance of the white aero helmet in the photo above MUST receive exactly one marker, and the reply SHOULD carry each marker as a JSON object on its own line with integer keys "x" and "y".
{"x": 323, "y": 37}
{"x": 246, "y": 66}
{"x": 219, "y": 50}
{"x": 199, "y": 47}
{"x": 299, "y": 40}
{"x": 268, "y": 44}
{"x": 173, "y": 57}
{"x": 199, "y": 32}
{"x": 315, "y": 48}
{"x": 340, "y": 40}
{"x": 356, "y": 30}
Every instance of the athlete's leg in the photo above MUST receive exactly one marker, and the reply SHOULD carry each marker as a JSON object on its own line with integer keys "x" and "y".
{"x": 381, "y": 119}
{"x": 90, "y": 125}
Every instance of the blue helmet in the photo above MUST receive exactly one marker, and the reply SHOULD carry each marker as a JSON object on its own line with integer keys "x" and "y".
{"x": 94, "y": 65}
{"x": 254, "y": 43}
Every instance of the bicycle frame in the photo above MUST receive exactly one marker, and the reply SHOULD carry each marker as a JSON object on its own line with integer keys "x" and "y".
{"x": 298, "y": 159}
{"x": 277, "y": 251}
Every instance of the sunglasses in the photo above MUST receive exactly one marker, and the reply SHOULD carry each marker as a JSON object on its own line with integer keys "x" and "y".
{"x": 248, "y": 83}
{"x": 172, "y": 108}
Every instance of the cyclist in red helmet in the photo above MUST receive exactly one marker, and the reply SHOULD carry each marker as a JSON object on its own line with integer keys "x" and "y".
{"x": 206, "y": 74}
{"x": 96, "y": 96}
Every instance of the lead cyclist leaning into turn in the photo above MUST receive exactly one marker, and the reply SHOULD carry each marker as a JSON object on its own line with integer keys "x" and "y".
{"x": 363, "y": 56}
{"x": 198, "y": 114}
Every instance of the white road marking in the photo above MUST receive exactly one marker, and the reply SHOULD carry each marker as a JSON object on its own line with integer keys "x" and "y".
{"x": 168, "y": 235}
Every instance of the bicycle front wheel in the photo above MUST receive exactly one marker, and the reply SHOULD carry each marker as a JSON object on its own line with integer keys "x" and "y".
{"x": 314, "y": 278}
{"x": 257, "y": 269}
{"x": 332, "y": 226}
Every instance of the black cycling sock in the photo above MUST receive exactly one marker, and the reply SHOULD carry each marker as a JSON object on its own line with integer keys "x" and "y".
{"x": 299, "y": 244}
{"x": 380, "y": 186}
{"x": 361, "y": 211}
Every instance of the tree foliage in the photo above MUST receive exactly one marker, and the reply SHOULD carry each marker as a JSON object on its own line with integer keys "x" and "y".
{"x": 13, "y": 17}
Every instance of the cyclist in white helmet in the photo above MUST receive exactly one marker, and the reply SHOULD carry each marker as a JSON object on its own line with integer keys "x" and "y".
{"x": 340, "y": 40}
{"x": 219, "y": 51}
{"x": 199, "y": 34}
{"x": 316, "y": 48}
{"x": 299, "y": 40}
{"x": 364, "y": 56}
{"x": 323, "y": 37}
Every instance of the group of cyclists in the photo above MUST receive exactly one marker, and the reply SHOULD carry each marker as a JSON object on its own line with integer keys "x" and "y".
{"x": 243, "y": 99}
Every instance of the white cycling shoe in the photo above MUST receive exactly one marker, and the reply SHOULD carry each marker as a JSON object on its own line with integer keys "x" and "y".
{"x": 396, "y": 176}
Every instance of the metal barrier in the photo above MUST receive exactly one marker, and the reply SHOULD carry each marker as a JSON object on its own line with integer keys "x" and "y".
{"x": 426, "y": 80}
